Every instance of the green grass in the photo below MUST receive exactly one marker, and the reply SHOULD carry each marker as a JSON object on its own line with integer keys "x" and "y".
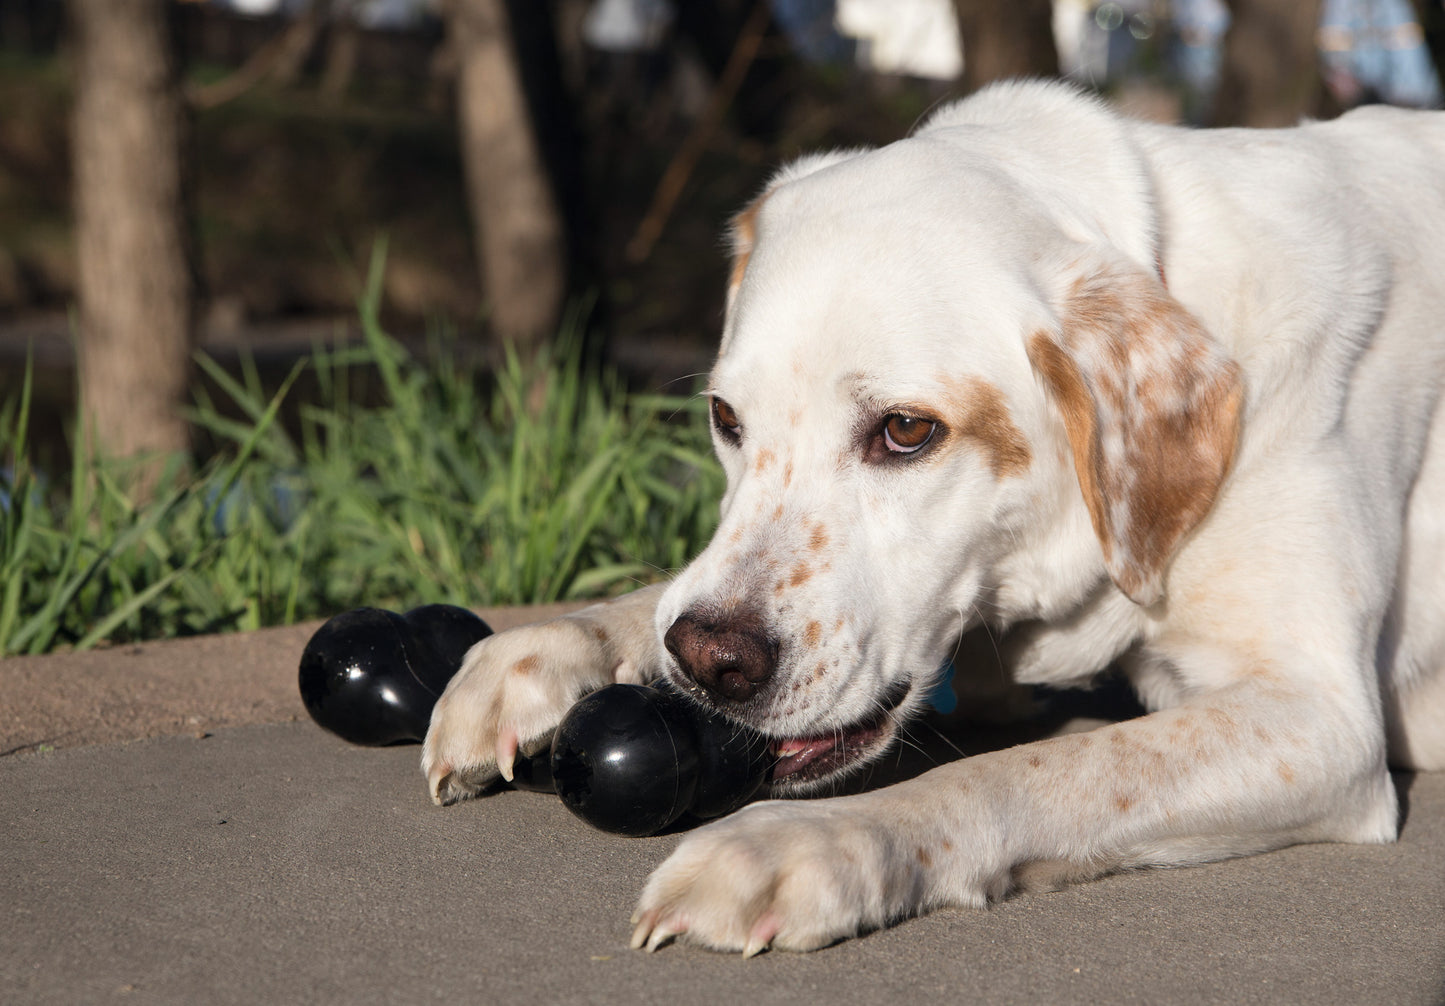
{"x": 535, "y": 483}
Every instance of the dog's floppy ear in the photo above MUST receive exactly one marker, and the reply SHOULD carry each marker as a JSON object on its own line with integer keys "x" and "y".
{"x": 1151, "y": 407}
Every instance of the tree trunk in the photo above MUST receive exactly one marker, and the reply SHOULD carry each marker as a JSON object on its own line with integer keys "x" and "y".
{"x": 1006, "y": 38}
{"x": 518, "y": 226}
{"x": 343, "y": 45}
{"x": 134, "y": 279}
{"x": 1270, "y": 69}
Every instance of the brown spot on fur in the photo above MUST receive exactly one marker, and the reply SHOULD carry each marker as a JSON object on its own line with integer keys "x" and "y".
{"x": 765, "y": 459}
{"x": 778, "y": 512}
{"x": 787, "y": 475}
{"x": 924, "y": 859}
{"x": 1223, "y": 723}
{"x": 978, "y": 412}
{"x": 1035, "y": 761}
{"x": 801, "y": 575}
{"x": 819, "y": 671}
{"x": 812, "y": 634}
{"x": 1071, "y": 396}
{"x": 818, "y": 540}
{"x": 1286, "y": 773}
{"x": 946, "y": 845}
{"x": 600, "y": 634}
{"x": 1123, "y": 802}
{"x": 526, "y": 665}
{"x": 838, "y": 626}
{"x": 1151, "y": 406}
{"x": 745, "y": 236}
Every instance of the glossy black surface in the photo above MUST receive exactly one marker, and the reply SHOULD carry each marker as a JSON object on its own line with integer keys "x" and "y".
{"x": 626, "y": 759}
{"x": 733, "y": 764}
{"x": 372, "y": 676}
{"x": 633, "y": 760}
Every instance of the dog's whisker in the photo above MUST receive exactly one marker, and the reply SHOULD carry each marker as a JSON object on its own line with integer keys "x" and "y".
{"x": 944, "y": 737}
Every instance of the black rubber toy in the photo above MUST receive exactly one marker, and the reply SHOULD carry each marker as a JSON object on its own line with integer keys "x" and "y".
{"x": 372, "y": 676}
{"x": 632, "y": 760}
{"x": 626, "y": 758}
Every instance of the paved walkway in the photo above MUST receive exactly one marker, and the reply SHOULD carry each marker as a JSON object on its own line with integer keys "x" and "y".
{"x": 240, "y": 854}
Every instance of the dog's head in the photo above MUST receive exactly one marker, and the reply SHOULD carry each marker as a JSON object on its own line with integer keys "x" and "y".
{"x": 944, "y": 396}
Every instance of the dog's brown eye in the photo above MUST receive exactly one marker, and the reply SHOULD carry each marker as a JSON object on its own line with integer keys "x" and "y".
{"x": 906, "y": 434}
{"x": 726, "y": 419}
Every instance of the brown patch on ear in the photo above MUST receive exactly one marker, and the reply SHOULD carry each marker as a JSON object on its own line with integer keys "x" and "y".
{"x": 1151, "y": 408}
{"x": 1071, "y": 396}
{"x": 744, "y": 236}
{"x": 977, "y": 410}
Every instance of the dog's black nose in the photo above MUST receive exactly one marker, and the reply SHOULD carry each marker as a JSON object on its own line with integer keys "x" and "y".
{"x": 729, "y": 657}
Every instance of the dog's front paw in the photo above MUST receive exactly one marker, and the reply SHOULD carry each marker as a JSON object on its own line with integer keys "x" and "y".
{"x": 512, "y": 690}
{"x": 795, "y": 876}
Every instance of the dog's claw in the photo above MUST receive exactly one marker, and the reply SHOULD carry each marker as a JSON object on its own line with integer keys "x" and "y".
{"x": 761, "y": 935}
{"x": 652, "y": 931}
{"x": 661, "y": 935}
{"x": 642, "y": 927}
{"x": 506, "y": 752}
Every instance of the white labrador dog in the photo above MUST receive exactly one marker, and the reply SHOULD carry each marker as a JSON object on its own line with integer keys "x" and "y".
{"x": 1133, "y": 392}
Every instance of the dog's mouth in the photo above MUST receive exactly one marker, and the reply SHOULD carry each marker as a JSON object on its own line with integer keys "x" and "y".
{"x": 805, "y": 760}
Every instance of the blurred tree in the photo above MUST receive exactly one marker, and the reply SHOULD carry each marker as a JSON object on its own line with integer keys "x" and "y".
{"x": 280, "y": 60}
{"x": 520, "y": 233}
{"x": 1006, "y": 38}
{"x": 341, "y": 51}
{"x": 760, "y": 97}
{"x": 135, "y": 283}
{"x": 1270, "y": 69}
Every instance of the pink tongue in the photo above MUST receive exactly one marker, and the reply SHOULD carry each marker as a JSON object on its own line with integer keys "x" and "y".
{"x": 795, "y": 745}
{"x": 795, "y": 752}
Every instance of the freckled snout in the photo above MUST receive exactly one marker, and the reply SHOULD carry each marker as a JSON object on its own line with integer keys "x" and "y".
{"x": 730, "y": 657}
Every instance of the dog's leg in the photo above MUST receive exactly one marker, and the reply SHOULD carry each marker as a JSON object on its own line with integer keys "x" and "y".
{"x": 1254, "y": 766}
{"x": 514, "y": 687}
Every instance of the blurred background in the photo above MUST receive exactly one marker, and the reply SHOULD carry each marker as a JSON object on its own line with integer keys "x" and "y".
{"x": 230, "y": 178}
{"x": 520, "y": 156}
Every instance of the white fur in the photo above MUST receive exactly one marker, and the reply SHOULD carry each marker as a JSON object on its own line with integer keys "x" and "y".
{"x": 1290, "y": 635}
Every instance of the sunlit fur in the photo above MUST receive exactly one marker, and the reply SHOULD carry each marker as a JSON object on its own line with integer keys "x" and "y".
{"x": 1187, "y": 387}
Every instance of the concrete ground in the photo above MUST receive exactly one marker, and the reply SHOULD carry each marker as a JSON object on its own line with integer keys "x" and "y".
{"x": 175, "y": 830}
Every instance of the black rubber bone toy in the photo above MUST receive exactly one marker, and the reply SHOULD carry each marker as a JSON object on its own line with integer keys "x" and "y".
{"x": 626, "y": 758}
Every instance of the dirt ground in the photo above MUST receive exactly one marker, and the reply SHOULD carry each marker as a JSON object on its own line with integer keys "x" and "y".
{"x": 176, "y": 687}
